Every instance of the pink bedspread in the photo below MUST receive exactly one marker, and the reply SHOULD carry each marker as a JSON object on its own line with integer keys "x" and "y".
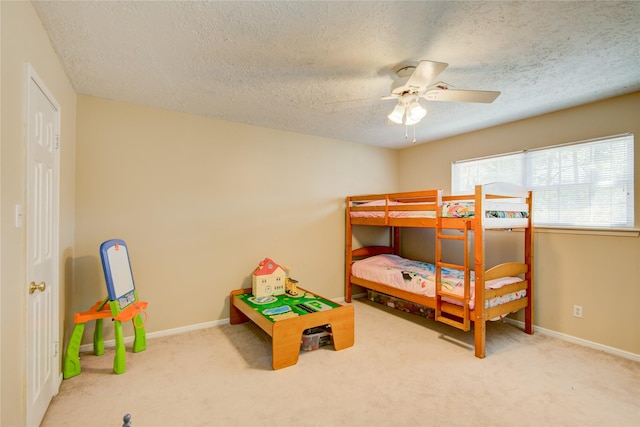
{"x": 419, "y": 278}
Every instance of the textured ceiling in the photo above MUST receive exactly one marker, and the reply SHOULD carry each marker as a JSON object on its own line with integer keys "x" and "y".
{"x": 290, "y": 65}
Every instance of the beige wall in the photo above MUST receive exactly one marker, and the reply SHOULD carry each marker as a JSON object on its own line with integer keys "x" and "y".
{"x": 200, "y": 202}
{"x": 570, "y": 269}
{"x": 24, "y": 41}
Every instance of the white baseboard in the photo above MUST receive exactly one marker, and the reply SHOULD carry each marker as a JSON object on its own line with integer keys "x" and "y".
{"x": 158, "y": 334}
{"x": 569, "y": 338}
{"x": 586, "y": 343}
{"x": 175, "y": 331}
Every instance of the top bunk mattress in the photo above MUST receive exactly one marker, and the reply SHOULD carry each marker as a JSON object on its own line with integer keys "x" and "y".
{"x": 392, "y": 209}
{"x": 496, "y": 214}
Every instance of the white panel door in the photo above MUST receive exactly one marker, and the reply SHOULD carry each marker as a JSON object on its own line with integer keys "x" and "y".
{"x": 42, "y": 366}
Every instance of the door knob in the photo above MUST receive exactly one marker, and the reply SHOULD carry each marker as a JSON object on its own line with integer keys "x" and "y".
{"x": 39, "y": 287}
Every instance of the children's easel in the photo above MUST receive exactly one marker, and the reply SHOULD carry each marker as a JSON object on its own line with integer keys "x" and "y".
{"x": 121, "y": 305}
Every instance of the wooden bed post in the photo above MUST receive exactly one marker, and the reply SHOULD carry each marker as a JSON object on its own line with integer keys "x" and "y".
{"x": 395, "y": 236}
{"x": 480, "y": 338}
{"x": 479, "y": 323}
{"x": 348, "y": 253}
{"x": 528, "y": 259}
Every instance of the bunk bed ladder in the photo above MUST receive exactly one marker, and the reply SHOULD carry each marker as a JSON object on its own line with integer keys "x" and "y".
{"x": 464, "y": 322}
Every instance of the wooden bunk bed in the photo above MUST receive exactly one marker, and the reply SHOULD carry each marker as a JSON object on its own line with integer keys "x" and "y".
{"x": 472, "y": 293}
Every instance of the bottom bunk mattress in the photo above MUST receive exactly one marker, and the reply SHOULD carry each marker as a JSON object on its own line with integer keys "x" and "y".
{"x": 419, "y": 278}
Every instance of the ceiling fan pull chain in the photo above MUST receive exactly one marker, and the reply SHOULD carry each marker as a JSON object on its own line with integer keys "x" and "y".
{"x": 414, "y": 134}
{"x": 406, "y": 131}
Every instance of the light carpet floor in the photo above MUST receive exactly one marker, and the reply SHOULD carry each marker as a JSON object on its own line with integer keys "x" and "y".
{"x": 402, "y": 371}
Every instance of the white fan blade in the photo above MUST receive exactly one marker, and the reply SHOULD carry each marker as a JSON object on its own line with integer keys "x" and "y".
{"x": 425, "y": 73}
{"x": 455, "y": 95}
{"x": 353, "y": 100}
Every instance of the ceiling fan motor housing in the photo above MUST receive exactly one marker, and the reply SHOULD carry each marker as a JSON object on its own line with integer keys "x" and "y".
{"x": 399, "y": 86}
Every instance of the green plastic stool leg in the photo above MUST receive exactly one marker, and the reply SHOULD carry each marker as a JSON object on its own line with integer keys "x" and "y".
{"x": 140, "y": 340}
{"x": 120, "y": 359}
{"x": 98, "y": 340}
{"x": 71, "y": 366}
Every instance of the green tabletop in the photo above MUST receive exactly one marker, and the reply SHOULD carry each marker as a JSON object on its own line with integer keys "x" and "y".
{"x": 278, "y": 306}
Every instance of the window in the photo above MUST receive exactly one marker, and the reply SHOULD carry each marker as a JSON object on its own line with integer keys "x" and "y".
{"x": 584, "y": 184}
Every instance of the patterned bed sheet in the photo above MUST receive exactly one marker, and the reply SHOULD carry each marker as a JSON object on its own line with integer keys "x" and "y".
{"x": 419, "y": 278}
{"x": 466, "y": 209}
{"x": 450, "y": 209}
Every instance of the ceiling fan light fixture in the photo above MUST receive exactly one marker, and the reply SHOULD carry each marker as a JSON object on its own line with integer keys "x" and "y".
{"x": 397, "y": 114}
{"x": 410, "y": 121}
{"x": 415, "y": 113}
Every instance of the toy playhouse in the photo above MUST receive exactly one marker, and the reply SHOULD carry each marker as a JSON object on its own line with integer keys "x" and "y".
{"x": 269, "y": 278}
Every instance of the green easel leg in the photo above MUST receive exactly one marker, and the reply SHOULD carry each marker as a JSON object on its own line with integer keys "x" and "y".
{"x": 98, "y": 340}
{"x": 140, "y": 340}
{"x": 71, "y": 364}
{"x": 120, "y": 360}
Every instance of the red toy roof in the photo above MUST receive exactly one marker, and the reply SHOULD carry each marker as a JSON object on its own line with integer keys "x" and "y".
{"x": 267, "y": 266}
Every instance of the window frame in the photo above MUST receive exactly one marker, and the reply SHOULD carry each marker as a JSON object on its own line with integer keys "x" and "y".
{"x": 522, "y": 159}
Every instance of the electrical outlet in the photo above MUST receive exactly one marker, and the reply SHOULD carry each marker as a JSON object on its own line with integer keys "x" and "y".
{"x": 577, "y": 311}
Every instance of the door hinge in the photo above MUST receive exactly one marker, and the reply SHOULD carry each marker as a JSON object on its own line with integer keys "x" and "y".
{"x": 57, "y": 142}
{"x": 55, "y": 348}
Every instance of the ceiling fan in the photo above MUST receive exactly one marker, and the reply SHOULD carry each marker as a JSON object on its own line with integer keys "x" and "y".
{"x": 415, "y": 82}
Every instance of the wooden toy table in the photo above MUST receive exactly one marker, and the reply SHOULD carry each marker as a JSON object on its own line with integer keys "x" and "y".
{"x": 286, "y": 332}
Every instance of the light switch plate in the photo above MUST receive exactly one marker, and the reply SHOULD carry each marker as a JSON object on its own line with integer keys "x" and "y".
{"x": 19, "y": 216}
